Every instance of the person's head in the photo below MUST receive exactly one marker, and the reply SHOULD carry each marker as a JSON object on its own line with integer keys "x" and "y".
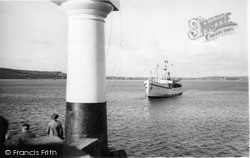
{"x": 54, "y": 116}
{"x": 25, "y": 127}
{"x": 3, "y": 129}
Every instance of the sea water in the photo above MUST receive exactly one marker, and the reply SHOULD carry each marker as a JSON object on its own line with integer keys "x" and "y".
{"x": 210, "y": 119}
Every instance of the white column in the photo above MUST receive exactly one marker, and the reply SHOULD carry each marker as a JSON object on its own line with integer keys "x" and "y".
{"x": 86, "y": 115}
{"x": 86, "y": 52}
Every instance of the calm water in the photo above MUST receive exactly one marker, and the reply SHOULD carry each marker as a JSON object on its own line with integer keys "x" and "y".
{"x": 210, "y": 119}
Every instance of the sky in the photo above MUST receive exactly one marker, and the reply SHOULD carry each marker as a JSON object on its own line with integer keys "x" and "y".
{"x": 33, "y": 36}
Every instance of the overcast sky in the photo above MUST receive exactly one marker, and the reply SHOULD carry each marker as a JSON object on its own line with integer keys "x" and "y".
{"x": 33, "y": 36}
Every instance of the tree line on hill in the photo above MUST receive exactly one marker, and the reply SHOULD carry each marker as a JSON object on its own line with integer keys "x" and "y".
{"x": 6, "y": 73}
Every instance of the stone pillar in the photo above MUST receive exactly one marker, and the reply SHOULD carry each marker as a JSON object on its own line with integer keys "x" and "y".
{"x": 86, "y": 115}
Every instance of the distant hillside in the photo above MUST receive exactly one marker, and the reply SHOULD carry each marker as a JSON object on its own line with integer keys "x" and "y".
{"x": 125, "y": 78}
{"x": 6, "y": 73}
{"x": 234, "y": 78}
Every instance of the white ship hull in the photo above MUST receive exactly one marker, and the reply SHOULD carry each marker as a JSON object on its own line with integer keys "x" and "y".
{"x": 155, "y": 90}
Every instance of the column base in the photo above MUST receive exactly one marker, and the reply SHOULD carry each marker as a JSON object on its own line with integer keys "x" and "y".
{"x": 86, "y": 120}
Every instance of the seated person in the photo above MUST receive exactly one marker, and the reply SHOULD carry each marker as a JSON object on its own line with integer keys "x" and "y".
{"x": 26, "y": 134}
{"x": 54, "y": 128}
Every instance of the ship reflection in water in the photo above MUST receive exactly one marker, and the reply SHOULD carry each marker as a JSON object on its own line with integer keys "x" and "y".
{"x": 210, "y": 119}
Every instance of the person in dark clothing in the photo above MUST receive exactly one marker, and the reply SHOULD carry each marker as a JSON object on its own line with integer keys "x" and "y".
{"x": 26, "y": 134}
{"x": 3, "y": 130}
{"x": 54, "y": 128}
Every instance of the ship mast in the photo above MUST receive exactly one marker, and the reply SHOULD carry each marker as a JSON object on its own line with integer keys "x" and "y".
{"x": 166, "y": 72}
{"x": 157, "y": 68}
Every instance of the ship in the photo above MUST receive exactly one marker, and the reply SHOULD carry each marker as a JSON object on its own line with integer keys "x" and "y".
{"x": 164, "y": 86}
